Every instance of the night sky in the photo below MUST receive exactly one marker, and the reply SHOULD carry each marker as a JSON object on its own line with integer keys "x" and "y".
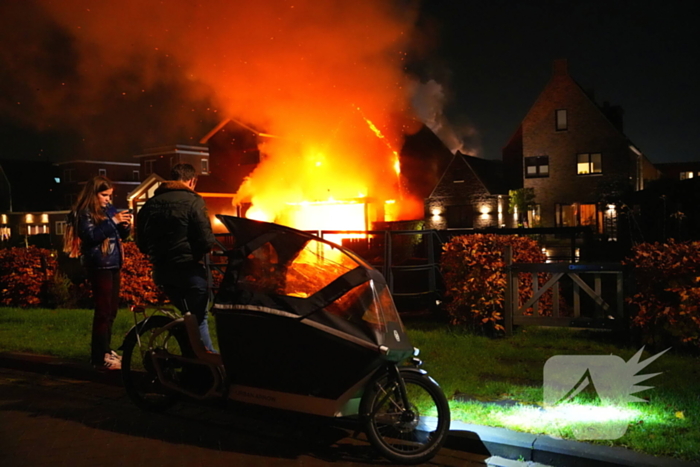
{"x": 485, "y": 62}
{"x": 495, "y": 57}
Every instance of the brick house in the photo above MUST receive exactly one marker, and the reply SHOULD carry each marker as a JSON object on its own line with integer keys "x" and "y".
{"x": 73, "y": 174}
{"x": 470, "y": 194}
{"x": 567, "y": 148}
{"x": 679, "y": 170}
{"x": 159, "y": 160}
{"x": 37, "y": 196}
{"x": 156, "y": 163}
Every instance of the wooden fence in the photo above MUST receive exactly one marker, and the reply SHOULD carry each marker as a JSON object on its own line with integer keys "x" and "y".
{"x": 560, "y": 311}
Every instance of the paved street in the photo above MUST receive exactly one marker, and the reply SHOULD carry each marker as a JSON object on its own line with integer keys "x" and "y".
{"x": 50, "y": 420}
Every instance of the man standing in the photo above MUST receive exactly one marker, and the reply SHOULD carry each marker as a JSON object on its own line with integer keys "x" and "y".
{"x": 173, "y": 229}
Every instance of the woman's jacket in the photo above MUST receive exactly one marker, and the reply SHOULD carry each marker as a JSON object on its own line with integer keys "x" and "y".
{"x": 93, "y": 235}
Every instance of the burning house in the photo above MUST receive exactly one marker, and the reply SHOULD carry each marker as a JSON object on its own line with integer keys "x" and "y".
{"x": 322, "y": 185}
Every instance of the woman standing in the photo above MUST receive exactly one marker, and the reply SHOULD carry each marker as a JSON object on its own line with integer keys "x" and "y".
{"x": 94, "y": 232}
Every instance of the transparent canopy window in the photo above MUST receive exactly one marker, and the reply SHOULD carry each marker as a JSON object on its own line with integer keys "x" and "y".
{"x": 298, "y": 273}
{"x": 365, "y": 304}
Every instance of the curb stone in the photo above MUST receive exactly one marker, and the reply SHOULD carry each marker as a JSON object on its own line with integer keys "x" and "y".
{"x": 546, "y": 450}
{"x": 507, "y": 448}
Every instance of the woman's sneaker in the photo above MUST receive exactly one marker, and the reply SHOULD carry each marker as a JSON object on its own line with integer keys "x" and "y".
{"x": 111, "y": 362}
{"x": 114, "y": 355}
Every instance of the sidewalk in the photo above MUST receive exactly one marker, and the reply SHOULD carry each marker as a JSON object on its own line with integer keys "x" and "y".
{"x": 500, "y": 443}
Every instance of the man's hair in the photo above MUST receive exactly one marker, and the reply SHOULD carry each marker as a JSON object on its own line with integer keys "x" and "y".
{"x": 182, "y": 172}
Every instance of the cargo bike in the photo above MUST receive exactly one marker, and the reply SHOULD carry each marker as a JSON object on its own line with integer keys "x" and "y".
{"x": 303, "y": 325}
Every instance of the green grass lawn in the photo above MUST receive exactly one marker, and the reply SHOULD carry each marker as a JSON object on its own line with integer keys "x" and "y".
{"x": 494, "y": 382}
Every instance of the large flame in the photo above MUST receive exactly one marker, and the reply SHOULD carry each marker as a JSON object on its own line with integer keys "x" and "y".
{"x": 345, "y": 182}
{"x": 326, "y": 78}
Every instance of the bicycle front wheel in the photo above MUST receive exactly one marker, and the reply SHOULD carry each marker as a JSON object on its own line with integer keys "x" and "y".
{"x": 407, "y": 433}
{"x": 139, "y": 375}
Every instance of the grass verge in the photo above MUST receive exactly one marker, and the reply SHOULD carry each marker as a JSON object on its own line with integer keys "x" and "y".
{"x": 499, "y": 382}
{"x": 494, "y": 382}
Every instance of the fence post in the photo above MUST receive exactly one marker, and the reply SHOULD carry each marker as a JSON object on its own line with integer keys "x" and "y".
{"x": 508, "y": 303}
{"x": 388, "y": 275}
{"x": 432, "y": 280}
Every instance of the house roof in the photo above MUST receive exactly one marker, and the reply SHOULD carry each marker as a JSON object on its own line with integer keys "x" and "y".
{"x": 205, "y": 139}
{"x": 489, "y": 172}
{"x": 612, "y": 114}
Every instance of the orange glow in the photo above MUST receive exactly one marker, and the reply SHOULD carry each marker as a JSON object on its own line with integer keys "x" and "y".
{"x": 328, "y": 215}
{"x": 325, "y": 78}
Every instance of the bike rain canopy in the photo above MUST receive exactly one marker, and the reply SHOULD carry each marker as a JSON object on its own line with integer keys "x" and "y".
{"x": 289, "y": 273}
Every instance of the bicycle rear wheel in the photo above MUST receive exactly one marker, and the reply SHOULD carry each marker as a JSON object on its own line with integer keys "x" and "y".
{"x": 406, "y": 433}
{"x": 140, "y": 378}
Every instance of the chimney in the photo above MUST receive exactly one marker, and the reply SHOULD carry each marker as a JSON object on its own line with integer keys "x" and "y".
{"x": 561, "y": 67}
{"x": 614, "y": 114}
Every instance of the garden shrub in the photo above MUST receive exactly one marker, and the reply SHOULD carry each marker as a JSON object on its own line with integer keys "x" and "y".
{"x": 473, "y": 267}
{"x": 137, "y": 283}
{"x": 24, "y": 275}
{"x": 31, "y": 277}
{"x": 59, "y": 291}
{"x": 667, "y": 292}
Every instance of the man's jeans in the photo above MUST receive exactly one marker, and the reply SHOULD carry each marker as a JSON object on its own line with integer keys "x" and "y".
{"x": 187, "y": 289}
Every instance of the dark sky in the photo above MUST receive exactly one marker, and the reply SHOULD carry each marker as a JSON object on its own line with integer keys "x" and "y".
{"x": 490, "y": 59}
{"x": 495, "y": 57}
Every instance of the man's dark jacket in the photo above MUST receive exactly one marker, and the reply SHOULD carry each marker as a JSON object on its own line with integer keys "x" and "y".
{"x": 173, "y": 227}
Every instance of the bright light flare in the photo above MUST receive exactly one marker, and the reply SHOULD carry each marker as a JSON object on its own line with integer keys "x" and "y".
{"x": 258, "y": 215}
{"x": 567, "y": 414}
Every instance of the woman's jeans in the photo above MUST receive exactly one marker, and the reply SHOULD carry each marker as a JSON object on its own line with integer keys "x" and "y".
{"x": 105, "y": 292}
{"x": 188, "y": 289}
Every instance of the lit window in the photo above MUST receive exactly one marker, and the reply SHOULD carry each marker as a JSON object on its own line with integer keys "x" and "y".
{"x": 589, "y": 164}
{"x": 536, "y": 167}
{"x": 565, "y": 215}
{"x": 205, "y": 166}
{"x": 534, "y": 215}
{"x": 561, "y": 120}
{"x": 587, "y": 214}
{"x": 686, "y": 175}
{"x": 576, "y": 214}
{"x": 60, "y": 227}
